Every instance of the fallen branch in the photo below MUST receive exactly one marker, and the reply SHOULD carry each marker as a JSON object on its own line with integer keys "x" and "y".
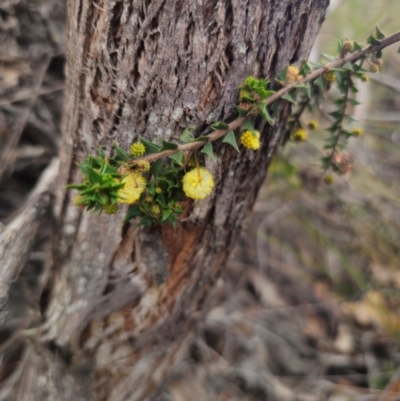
{"x": 18, "y": 237}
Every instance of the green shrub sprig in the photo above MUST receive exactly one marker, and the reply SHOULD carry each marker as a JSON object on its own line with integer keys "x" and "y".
{"x": 154, "y": 178}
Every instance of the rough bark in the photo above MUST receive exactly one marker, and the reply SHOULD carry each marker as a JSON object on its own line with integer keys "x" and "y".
{"x": 124, "y": 301}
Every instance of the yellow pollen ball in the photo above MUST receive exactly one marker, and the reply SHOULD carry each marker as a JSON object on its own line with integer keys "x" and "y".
{"x": 328, "y": 179}
{"x": 374, "y": 68}
{"x": 329, "y": 76}
{"x": 143, "y": 165}
{"x": 137, "y": 149}
{"x": 134, "y": 187}
{"x": 312, "y": 125}
{"x": 299, "y": 135}
{"x": 292, "y": 74}
{"x": 111, "y": 209}
{"x": 198, "y": 183}
{"x": 357, "y": 132}
{"x": 249, "y": 140}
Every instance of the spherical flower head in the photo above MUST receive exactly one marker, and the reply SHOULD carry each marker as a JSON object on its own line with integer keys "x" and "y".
{"x": 312, "y": 125}
{"x": 155, "y": 210}
{"x": 348, "y": 45}
{"x": 379, "y": 62}
{"x": 111, "y": 209}
{"x": 300, "y": 135}
{"x": 250, "y": 140}
{"x": 137, "y": 149}
{"x": 364, "y": 78}
{"x": 329, "y": 76}
{"x": 292, "y": 74}
{"x": 143, "y": 165}
{"x": 357, "y": 132}
{"x": 134, "y": 186}
{"x": 198, "y": 183}
{"x": 158, "y": 190}
{"x": 329, "y": 179}
{"x": 374, "y": 68}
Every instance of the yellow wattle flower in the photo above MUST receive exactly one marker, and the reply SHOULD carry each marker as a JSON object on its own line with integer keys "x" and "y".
{"x": 143, "y": 165}
{"x": 135, "y": 184}
{"x": 137, "y": 149}
{"x": 292, "y": 74}
{"x": 357, "y": 132}
{"x": 198, "y": 183}
{"x": 300, "y": 135}
{"x": 249, "y": 140}
{"x": 111, "y": 209}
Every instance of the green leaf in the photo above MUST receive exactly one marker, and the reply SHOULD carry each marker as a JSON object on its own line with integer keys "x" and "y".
{"x": 262, "y": 107}
{"x": 351, "y": 119}
{"x": 348, "y": 66}
{"x": 107, "y": 169}
{"x": 315, "y": 65}
{"x": 398, "y": 50}
{"x": 121, "y": 154}
{"x": 325, "y": 161}
{"x": 320, "y": 82}
{"x": 379, "y": 34}
{"x": 168, "y": 146}
{"x": 187, "y": 135}
{"x": 202, "y": 138}
{"x": 161, "y": 201}
{"x": 231, "y": 139}
{"x": 290, "y": 97}
{"x": 94, "y": 176}
{"x": 357, "y": 46}
{"x": 248, "y": 126}
{"x": 150, "y": 146}
{"x": 305, "y": 68}
{"x": 333, "y": 128}
{"x": 328, "y": 57}
{"x": 219, "y": 125}
{"x": 264, "y": 94}
{"x": 133, "y": 211}
{"x": 337, "y": 115}
{"x": 373, "y": 41}
{"x": 306, "y": 90}
{"x": 157, "y": 168}
{"x": 151, "y": 189}
{"x": 208, "y": 150}
{"x": 145, "y": 221}
{"x": 166, "y": 214}
{"x": 354, "y": 102}
{"x": 340, "y": 46}
{"x": 177, "y": 157}
{"x": 353, "y": 88}
{"x": 101, "y": 153}
{"x": 241, "y": 112}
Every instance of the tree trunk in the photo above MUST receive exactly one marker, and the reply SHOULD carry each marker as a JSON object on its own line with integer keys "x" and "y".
{"x": 123, "y": 302}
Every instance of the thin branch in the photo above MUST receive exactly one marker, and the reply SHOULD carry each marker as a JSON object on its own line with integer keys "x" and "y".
{"x": 277, "y": 95}
{"x": 340, "y": 126}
